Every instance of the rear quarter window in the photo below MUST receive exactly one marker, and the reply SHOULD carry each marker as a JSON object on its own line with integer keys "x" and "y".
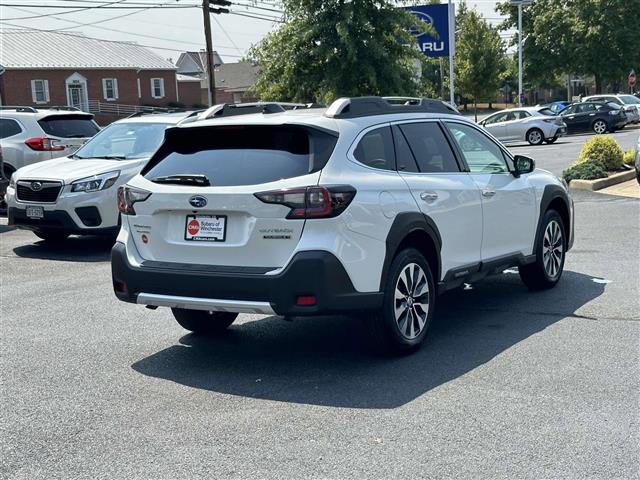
{"x": 69, "y": 126}
{"x": 9, "y": 128}
{"x": 241, "y": 155}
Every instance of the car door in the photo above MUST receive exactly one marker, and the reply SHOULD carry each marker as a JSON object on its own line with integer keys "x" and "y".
{"x": 508, "y": 202}
{"x": 569, "y": 116}
{"x": 495, "y": 125}
{"x": 516, "y": 128}
{"x": 442, "y": 190}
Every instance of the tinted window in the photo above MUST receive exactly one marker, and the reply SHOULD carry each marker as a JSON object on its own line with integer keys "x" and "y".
{"x": 376, "y": 149}
{"x": 569, "y": 110}
{"x": 241, "y": 155}
{"x": 69, "y": 126}
{"x": 430, "y": 147}
{"x": 9, "y": 128}
{"x": 481, "y": 154}
{"x": 126, "y": 140}
{"x": 404, "y": 157}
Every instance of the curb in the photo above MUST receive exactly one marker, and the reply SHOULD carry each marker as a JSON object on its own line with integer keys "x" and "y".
{"x": 603, "y": 182}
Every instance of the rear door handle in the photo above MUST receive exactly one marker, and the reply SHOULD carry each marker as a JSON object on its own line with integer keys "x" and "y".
{"x": 488, "y": 193}
{"x": 429, "y": 196}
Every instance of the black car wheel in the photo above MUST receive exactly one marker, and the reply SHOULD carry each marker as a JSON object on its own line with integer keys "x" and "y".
{"x": 551, "y": 140}
{"x": 202, "y": 322}
{"x": 51, "y": 236}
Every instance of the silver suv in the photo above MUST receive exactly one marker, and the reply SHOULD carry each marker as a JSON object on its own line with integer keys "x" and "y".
{"x": 29, "y": 135}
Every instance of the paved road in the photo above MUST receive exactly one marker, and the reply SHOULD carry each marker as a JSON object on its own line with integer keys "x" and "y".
{"x": 510, "y": 384}
{"x": 558, "y": 156}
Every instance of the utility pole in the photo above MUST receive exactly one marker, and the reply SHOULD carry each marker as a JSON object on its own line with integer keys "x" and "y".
{"x": 520, "y": 54}
{"x": 211, "y": 69}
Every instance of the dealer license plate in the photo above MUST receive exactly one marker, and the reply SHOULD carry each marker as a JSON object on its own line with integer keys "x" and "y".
{"x": 206, "y": 228}
{"x": 35, "y": 212}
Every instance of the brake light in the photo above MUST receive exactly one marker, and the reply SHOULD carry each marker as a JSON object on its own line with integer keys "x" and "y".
{"x": 306, "y": 300}
{"x": 43, "y": 144}
{"x": 311, "y": 202}
{"x": 128, "y": 196}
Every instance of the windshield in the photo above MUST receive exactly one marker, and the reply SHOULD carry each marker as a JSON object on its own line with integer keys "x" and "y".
{"x": 547, "y": 111}
{"x": 124, "y": 141}
{"x": 630, "y": 99}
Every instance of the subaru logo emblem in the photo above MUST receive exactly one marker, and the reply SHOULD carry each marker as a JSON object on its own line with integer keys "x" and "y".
{"x": 425, "y": 19}
{"x": 198, "y": 201}
{"x": 36, "y": 186}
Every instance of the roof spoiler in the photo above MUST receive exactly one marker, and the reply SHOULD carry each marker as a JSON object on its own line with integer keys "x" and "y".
{"x": 356, "y": 107}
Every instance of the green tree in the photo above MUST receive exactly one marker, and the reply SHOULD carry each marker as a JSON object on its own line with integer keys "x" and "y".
{"x": 331, "y": 48}
{"x": 589, "y": 37}
{"x": 480, "y": 58}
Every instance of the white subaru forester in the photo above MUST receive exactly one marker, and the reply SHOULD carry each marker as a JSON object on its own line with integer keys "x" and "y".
{"x": 367, "y": 207}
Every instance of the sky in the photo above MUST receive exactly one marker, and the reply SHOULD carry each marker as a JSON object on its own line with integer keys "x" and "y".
{"x": 167, "y": 31}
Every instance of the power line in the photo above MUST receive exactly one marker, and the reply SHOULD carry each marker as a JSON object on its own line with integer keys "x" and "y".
{"x": 26, "y": 29}
{"x": 268, "y": 19}
{"x": 114, "y": 7}
{"x": 64, "y": 13}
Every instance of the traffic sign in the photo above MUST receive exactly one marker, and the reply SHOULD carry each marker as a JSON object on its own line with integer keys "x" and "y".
{"x": 632, "y": 79}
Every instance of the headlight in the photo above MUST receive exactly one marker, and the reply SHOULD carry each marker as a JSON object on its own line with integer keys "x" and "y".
{"x": 95, "y": 183}
{"x": 12, "y": 181}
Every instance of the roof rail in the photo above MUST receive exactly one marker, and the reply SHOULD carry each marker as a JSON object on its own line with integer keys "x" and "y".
{"x": 366, "y": 106}
{"x": 19, "y": 109}
{"x": 235, "y": 109}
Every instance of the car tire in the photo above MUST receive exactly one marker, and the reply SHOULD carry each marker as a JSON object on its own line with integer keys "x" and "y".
{"x": 51, "y": 237}
{"x": 402, "y": 323}
{"x": 551, "y": 140}
{"x": 535, "y": 136}
{"x": 600, "y": 127}
{"x": 202, "y": 322}
{"x": 551, "y": 249}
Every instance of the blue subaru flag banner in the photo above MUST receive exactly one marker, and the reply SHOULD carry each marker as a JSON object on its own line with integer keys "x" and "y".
{"x": 437, "y": 16}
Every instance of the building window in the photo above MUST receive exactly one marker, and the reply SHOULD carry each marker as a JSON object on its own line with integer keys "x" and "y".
{"x": 110, "y": 88}
{"x": 237, "y": 98}
{"x": 157, "y": 87}
{"x": 40, "y": 91}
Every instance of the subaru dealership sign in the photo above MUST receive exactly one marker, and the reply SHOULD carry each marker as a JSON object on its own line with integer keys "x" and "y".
{"x": 435, "y": 16}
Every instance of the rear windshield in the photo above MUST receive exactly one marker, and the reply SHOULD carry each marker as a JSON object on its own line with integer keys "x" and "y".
{"x": 241, "y": 155}
{"x": 69, "y": 126}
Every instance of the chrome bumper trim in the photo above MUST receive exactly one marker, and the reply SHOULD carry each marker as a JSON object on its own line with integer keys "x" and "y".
{"x": 207, "y": 304}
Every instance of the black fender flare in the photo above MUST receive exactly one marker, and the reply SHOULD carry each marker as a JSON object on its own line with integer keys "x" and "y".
{"x": 403, "y": 225}
{"x": 551, "y": 193}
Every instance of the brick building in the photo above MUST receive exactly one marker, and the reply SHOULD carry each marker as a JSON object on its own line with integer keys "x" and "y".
{"x": 103, "y": 77}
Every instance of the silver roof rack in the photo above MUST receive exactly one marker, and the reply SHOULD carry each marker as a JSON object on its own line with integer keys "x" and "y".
{"x": 367, "y": 106}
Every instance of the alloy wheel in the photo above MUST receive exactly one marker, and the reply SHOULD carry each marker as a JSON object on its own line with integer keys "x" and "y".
{"x": 552, "y": 249}
{"x": 535, "y": 137}
{"x": 600, "y": 127}
{"x": 411, "y": 301}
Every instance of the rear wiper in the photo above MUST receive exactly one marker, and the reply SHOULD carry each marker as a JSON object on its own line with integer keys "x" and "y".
{"x": 184, "y": 179}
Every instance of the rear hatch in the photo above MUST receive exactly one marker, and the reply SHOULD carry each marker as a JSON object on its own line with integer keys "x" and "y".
{"x": 203, "y": 209}
{"x": 68, "y": 131}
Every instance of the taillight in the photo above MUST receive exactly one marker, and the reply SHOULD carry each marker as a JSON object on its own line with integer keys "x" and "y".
{"x": 43, "y": 144}
{"x": 311, "y": 202}
{"x": 128, "y": 196}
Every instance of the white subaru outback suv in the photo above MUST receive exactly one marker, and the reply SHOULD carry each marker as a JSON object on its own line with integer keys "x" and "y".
{"x": 368, "y": 206}
{"x": 77, "y": 194}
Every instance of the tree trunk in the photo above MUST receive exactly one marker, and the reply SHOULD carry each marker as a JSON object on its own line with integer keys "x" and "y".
{"x": 475, "y": 110}
{"x": 490, "y": 106}
{"x": 598, "y": 78}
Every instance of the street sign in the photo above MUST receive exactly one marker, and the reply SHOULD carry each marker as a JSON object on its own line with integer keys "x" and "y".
{"x": 436, "y": 16}
{"x": 632, "y": 79}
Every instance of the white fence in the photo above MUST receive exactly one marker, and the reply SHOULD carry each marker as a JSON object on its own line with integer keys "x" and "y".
{"x": 108, "y": 108}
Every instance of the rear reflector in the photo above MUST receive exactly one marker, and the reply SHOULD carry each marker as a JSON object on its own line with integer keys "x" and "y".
{"x": 120, "y": 286}
{"x": 306, "y": 300}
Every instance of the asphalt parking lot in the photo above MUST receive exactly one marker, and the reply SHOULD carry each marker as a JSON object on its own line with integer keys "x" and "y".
{"x": 510, "y": 384}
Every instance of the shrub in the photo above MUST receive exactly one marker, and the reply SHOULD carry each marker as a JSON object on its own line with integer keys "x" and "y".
{"x": 603, "y": 149}
{"x": 586, "y": 170}
{"x": 629, "y": 157}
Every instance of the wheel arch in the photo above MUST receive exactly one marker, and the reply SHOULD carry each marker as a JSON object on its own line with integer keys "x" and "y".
{"x": 555, "y": 198}
{"x": 413, "y": 230}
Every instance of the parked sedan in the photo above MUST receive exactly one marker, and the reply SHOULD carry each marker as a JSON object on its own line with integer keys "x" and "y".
{"x": 629, "y": 103}
{"x": 531, "y": 124}
{"x": 599, "y": 117}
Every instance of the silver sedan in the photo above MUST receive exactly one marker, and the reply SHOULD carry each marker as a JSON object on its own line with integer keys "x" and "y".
{"x": 528, "y": 124}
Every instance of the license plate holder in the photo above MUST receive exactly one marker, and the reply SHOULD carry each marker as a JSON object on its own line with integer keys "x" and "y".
{"x": 35, "y": 212}
{"x": 205, "y": 228}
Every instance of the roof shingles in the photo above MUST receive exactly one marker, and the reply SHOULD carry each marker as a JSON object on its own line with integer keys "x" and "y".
{"x": 36, "y": 49}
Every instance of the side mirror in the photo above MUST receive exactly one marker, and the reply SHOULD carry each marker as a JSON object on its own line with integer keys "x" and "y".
{"x": 481, "y": 123}
{"x": 523, "y": 165}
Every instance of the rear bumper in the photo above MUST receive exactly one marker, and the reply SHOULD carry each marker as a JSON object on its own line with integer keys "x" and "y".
{"x": 53, "y": 220}
{"x": 315, "y": 273}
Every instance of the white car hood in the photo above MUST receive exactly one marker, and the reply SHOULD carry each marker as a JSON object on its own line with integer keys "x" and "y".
{"x": 69, "y": 170}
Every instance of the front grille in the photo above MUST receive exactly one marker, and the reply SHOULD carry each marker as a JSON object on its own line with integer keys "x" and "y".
{"x": 38, "y": 191}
